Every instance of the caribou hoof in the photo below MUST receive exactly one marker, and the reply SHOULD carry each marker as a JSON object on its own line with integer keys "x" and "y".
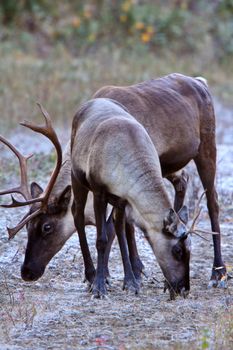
{"x": 131, "y": 285}
{"x": 138, "y": 269}
{"x": 89, "y": 276}
{"x": 108, "y": 284}
{"x": 98, "y": 289}
{"x": 219, "y": 278}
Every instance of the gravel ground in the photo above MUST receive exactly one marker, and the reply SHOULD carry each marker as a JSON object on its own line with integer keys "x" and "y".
{"x": 57, "y": 312}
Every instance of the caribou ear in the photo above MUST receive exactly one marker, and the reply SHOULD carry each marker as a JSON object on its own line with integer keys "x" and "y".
{"x": 36, "y": 190}
{"x": 64, "y": 198}
{"x": 170, "y": 218}
{"x": 183, "y": 214}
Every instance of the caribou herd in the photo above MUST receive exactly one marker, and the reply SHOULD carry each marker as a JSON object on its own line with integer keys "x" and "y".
{"x": 123, "y": 143}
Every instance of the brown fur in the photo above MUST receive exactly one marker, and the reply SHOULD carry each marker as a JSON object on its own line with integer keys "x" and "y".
{"x": 177, "y": 112}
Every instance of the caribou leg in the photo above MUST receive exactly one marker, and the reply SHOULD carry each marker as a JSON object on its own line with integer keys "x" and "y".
{"x": 100, "y": 206}
{"x": 135, "y": 260}
{"x": 206, "y": 166}
{"x": 111, "y": 235}
{"x": 130, "y": 282}
{"x": 78, "y": 206}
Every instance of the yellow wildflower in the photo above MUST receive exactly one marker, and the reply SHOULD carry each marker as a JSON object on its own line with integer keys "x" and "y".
{"x": 139, "y": 25}
{"x": 145, "y": 37}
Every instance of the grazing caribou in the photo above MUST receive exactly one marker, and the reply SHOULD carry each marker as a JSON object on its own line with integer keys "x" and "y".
{"x": 177, "y": 112}
{"x": 113, "y": 156}
{"x": 48, "y": 232}
{"x": 49, "y": 222}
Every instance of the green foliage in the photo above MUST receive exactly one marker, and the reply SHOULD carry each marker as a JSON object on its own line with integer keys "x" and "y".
{"x": 205, "y": 340}
{"x": 223, "y": 28}
{"x": 12, "y": 10}
{"x": 181, "y": 25}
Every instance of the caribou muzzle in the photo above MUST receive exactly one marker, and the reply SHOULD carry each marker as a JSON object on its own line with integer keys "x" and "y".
{"x": 181, "y": 288}
{"x": 31, "y": 272}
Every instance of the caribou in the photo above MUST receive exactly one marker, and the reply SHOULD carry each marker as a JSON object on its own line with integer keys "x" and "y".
{"x": 113, "y": 156}
{"x": 177, "y": 111}
{"x": 49, "y": 221}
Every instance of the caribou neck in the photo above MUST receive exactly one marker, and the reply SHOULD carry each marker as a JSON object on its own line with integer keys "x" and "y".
{"x": 150, "y": 204}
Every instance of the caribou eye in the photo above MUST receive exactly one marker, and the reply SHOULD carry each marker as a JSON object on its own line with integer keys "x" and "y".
{"x": 177, "y": 252}
{"x": 47, "y": 228}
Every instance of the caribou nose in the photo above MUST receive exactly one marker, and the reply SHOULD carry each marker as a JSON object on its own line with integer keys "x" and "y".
{"x": 28, "y": 274}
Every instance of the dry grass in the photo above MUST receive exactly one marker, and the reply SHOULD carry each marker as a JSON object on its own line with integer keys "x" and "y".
{"x": 14, "y": 308}
{"x": 60, "y": 82}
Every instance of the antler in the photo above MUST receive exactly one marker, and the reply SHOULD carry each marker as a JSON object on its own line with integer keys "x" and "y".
{"x": 23, "y": 187}
{"x": 197, "y": 212}
{"x": 48, "y": 131}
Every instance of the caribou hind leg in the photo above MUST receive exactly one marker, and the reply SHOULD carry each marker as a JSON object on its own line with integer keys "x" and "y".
{"x": 206, "y": 166}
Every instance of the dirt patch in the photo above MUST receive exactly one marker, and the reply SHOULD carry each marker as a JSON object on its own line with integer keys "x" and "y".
{"x": 57, "y": 312}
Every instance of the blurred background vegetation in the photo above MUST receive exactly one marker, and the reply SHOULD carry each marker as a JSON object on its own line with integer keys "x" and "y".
{"x": 61, "y": 52}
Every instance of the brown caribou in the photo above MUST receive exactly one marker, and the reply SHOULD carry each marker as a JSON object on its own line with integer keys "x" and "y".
{"x": 177, "y": 112}
{"x": 113, "y": 156}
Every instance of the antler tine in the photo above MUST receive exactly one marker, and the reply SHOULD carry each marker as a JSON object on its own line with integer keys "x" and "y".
{"x": 14, "y": 203}
{"x": 200, "y": 199}
{"x": 198, "y": 234}
{"x": 13, "y": 230}
{"x": 197, "y": 213}
{"x": 23, "y": 188}
{"x": 206, "y": 231}
{"x": 48, "y": 131}
{"x": 196, "y": 216}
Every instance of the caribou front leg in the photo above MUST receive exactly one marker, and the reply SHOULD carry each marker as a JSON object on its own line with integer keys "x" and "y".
{"x": 100, "y": 205}
{"x": 78, "y": 206}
